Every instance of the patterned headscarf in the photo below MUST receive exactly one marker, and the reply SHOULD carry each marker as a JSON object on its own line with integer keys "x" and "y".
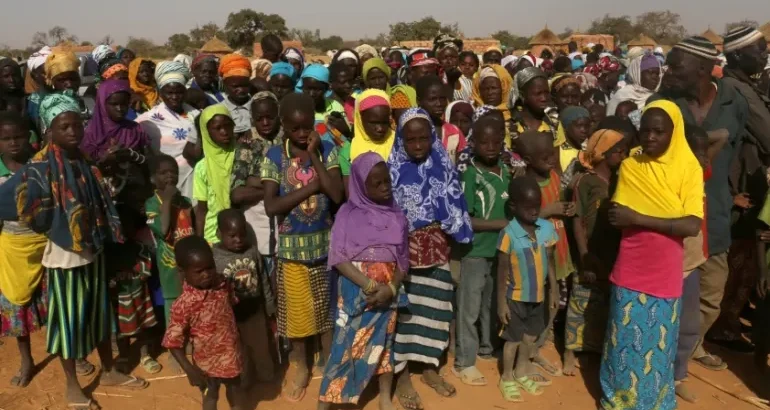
{"x": 366, "y": 49}
{"x": 55, "y": 104}
{"x": 101, "y": 53}
{"x": 428, "y": 191}
{"x": 60, "y": 62}
{"x": 170, "y": 72}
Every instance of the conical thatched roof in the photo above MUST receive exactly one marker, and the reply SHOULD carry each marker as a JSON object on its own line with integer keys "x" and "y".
{"x": 765, "y": 29}
{"x": 545, "y": 36}
{"x": 642, "y": 41}
{"x": 713, "y": 37}
{"x": 216, "y": 46}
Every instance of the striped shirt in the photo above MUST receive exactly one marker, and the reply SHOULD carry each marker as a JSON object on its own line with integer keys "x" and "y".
{"x": 529, "y": 259}
{"x": 550, "y": 193}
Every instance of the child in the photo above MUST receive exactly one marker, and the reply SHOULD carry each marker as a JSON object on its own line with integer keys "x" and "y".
{"x": 576, "y": 122}
{"x": 588, "y": 301}
{"x": 23, "y": 290}
{"x": 239, "y": 262}
{"x": 203, "y": 313}
{"x": 169, "y": 217}
{"x": 431, "y": 97}
{"x": 485, "y": 182}
{"x": 537, "y": 152}
{"x": 196, "y": 98}
{"x": 131, "y": 263}
{"x": 527, "y": 244}
{"x": 302, "y": 180}
{"x": 625, "y": 109}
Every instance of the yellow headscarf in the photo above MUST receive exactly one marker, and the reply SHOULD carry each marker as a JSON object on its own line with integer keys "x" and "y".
{"x": 60, "y": 62}
{"x": 506, "y": 82}
{"x": 361, "y": 142}
{"x": 219, "y": 160}
{"x": 670, "y": 186}
{"x": 148, "y": 93}
{"x": 379, "y": 64}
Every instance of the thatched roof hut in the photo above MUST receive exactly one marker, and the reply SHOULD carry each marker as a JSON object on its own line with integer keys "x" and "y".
{"x": 643, "y": 41}
{"x": 215, "y": 46}
{"x": 765, "y": 29}
{"x": 715, "y": 38}
{"x": 545, "y": 39}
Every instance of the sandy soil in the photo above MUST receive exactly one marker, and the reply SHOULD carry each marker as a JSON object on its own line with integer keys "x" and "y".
{"x": 46, "y": 392}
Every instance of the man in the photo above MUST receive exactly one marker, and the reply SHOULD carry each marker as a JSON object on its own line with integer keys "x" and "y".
{"x": 205, "y": 78}
{"x": 235, "y": 70}
{"x": 746, "y": 52}
{"x": 713, "y": 105}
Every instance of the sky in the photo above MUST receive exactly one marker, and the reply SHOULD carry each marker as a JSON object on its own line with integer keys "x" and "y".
{"x": 93, "y": 19}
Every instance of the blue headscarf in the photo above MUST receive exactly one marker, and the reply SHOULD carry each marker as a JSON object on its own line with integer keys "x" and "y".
{"x": 283, "y": 68}
{"x": 316, "y": 72}
{"x": 428, "y": 191}
{"x": 577, "y": 64}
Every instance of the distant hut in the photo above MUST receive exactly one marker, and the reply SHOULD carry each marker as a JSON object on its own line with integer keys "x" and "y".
{"x": 583, "y": 40}
{"x": 545, "y": 40}
{"x": 765, "y": 29}
{"x": 715, "y": 38}
{"x": 215, "y": 46}
{"x": 644, "y": 42}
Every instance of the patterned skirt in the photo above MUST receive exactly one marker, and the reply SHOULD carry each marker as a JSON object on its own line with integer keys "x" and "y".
{"x": 303, "y": 299}
{"x": 79, "y": 310}
{"x": 363, "y": 338}
{"x": 422, "y": 333}
{"x": 134, "y": 308}
{"x": 637, "y": 370}
{"x": 18, "y": 321}
{"x": 587, "y": 317}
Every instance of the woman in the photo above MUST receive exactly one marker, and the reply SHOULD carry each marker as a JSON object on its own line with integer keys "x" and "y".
{"x": 492, "y": 86}
{"x": 350, "y": 59}
{"x": 658, "y": 202}
{"x": 460, "y": 114}
{"x": 296, "y": 59}
{"x": 369, "y": 252}
{"x": 11, "y": 82}
{"x": 435, "y": 211}
{"x": 493, "y": 55}
{"x": 376, "y": 74}
{"x": 205, "y": 69}
{"x": 643, "y": 79}
{"x": 566, "y": 92}
{"x": 126, "y": 56}
{"x": 79, "y": 222}
{"x": 529, "y": 109}
{"x": 469, "y": 66}
{"x": 141, "y": 75}
{"x": 170, "y": 125}
{"x": 281, "y": 80}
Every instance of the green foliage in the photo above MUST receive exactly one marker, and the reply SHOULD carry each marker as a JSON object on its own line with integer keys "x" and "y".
{"x": 621, "y": 27}
{"x": 511, "y": 41}
{"x": 247, "y": 26}
{"x": 425, "y": 29}
{"x": 201, "y": 34}
{"x": 179, "y": 43}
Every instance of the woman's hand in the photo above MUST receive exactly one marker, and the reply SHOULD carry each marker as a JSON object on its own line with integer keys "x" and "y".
{"x": 622, "y": 216}
{"x": 381, "y": 296}
{"x": 558, "y": 209}
{"x": 742, "y": 201}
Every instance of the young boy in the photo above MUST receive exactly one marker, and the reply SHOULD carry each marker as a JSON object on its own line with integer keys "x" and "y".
{"x": 485, "y": 182}
{"x": 169, "y": 217}
{"x": 203, "y": 313}
{"x": 537, "y": 152}
{"x": 239, "y": 262}
{"x": 525, "y": 259}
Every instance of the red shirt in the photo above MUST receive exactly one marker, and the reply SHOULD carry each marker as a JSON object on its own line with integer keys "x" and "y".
{"x": 207, "y": 317}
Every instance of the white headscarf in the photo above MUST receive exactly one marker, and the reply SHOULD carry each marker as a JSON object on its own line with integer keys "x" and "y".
{"x": 101, "y": 52}
{"x": 184, "y": 59}
{"x": 38, "y": 59}
{"x": 509, "y": 59}
{"x": 633, "y": 90}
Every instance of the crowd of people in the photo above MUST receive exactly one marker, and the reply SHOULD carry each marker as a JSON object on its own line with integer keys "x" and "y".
{"x": 376, "y": 215}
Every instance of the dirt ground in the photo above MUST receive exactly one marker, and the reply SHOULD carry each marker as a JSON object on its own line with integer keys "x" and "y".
{"x": 46, "y": 392}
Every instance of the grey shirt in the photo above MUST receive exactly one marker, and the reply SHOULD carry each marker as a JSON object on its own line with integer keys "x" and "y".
{"x": 249, "y": 279}
{"x": 241, "y": 115}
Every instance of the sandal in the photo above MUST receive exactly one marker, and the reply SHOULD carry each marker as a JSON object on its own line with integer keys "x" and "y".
{"x": 84, "y": 368}
{"x": 150, "y": 365}
{"x": 529, "y": 385}
{"x": 470, "y": 376}
{"x": 410, "y": 401}
{"x": 711, "y": 362}
{"x": 303, "y": 391}
{"x": 540, "y": 379}
{"x": 441, "y": 387}
{"x": 89, "y": 405}
{"x": 133, "y": 383}
{"x": 510, "y": 391}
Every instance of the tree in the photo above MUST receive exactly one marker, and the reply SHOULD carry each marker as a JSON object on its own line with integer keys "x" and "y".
{"x": 58, "y": 34}
{"x": 511, "y": 40}
{"x": 329, "y": 43}
{"x": 425, "y": 29}
{"x": 664, "y": 26}
{"x": 620, "y": 27}
{"x": 86, "y": 43}
{"x": 307, "y": 37}
{"x": 142, "y": 46}
{"x": 745, "y": 22}
{"x": 274, "y": 24}
{"x": 179, "y": 43}
{"x": 39, "y": 39}
{"x": 566, "y": 33}
{"x": 247, "y": 26}
{"x": 381, "y": 40}
{"x": 204, "y": 33}
{"x": 108, "y": 40}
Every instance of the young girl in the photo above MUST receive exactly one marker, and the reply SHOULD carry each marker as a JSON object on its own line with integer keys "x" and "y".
{"x": 369, "y": 250}
{"x": 431, "y": 97}
{"x": 588, "y": 301}
{"x": 79, "y": 220}
{"x": 460, "y": 114}
{"x": 492, "y": 86}
{"x": 302, "y": 181}
{"x": 211, "y": 186}
{"x": 658, "y": 201}
{"x": 576, "y": 122}
{"x": 23, "y": 290}
{"x": 436, "y": 211}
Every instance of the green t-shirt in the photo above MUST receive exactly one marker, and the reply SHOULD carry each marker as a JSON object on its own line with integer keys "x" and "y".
{"x": 486, "y": 194}
{"x": 203, "y": 191}
{"x": 181, "y": 227}
{"x": 344, "y": 159}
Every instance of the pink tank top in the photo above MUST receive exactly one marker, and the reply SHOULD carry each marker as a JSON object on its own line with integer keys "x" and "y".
{"x": 650, "y": 262}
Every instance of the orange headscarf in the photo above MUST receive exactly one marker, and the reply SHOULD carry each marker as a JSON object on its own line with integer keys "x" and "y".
{"x": 234, "y": 65}
{"x": 148, "y": 93}
{"x": 598, "y": 144}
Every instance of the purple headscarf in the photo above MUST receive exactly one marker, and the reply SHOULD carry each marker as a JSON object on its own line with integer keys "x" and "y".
{"x": 102, "y": 131}
{"x": 649, "y": 61}
{"x": 364, "y": 230}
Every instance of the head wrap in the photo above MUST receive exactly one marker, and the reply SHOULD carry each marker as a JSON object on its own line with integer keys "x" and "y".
{"x": 493, "y": 48}
{"x": 148, "y": 93}
{"x": 527, "y": 58}
{"x": 218, "y": 160}
{"x": 234, "y": 65}
{"x": 56, "y": 103}
{"x": 459, "y": 106}
{"x": 123, "y": 50}
{"x": 365, "y": 49}
{"x": 184, "y": 59}
{"x": 633, "y": 90}
{"x": 526, "y": 75}
{"x": 261, "y": 67}
{"x": 608, "y": 65}
{"x": 698, "y": 46}
{"x": 379, "y": 64}
{"x": 102, "y": 52}
{"x": 102, "y": 132}
{"x": 60, "y": 62}
{"x": 110, "y": 71}
{"x": 505, "y": 83}
{"x": 316, "y": 72}
{"x": 293, "y": 54}
{"x": 170, "y": 72}
{"x": 443, "y": 41}
{"x": 587, "y": 81}
{"x": 572, "y": 114}
{"x": 509, "y": 59}
{"x": 648, "y": 61}
{"x": 598, "y": 144}
{"x": 282, "y": 68}
{"x": 577, "y": 64}
{"x": 429, "y": 191}
{"x": 546, "y": 65}
{"x": 562, "y": 82}
{"x": 741, "y": 37}
{"x": 364, "y": 230}
{"x": 669, "y": 186}
{"x": 361, "y": 142}
{"x": 203, "y": 58}
{"x": 420, "y": 57}
{"x": 345, "y": 54}
{"x": 38, "y": 58}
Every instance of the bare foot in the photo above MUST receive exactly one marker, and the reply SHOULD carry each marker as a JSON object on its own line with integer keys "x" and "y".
{"x": 174, "y": 366}
{"x": 296, "y": 390}
{"x": 546, "y": 366}
{"x": 24, "y": 376}
{"x": 570, "y": 361}
{"x": 76, "y": 399}
{"x": 684, "y": 393}
{"x": 407, "y": 395}
{"x": 437, "y": 383}
{"x": 386, "y": 403}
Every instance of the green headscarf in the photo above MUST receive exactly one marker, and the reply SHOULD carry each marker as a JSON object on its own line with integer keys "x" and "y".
{"x": 54, "y": 104}
{"x": 379, "y": 64}
{"x": 218, "y": 160}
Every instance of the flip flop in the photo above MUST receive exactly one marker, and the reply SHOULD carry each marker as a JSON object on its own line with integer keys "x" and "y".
{"x": 150, "y": 365}
{"x": 470, "y": 376}
{"x": 529, "y": 385}
{"x": 410, "y": 402}
{"x": 709, "y": 362}
{"x": 510, "y": 391}
{"x": 133, "y": 383}
{"x": 89, "y": 405}
{"x": 84, "y": 368}
{"x": 299, "y": 398}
